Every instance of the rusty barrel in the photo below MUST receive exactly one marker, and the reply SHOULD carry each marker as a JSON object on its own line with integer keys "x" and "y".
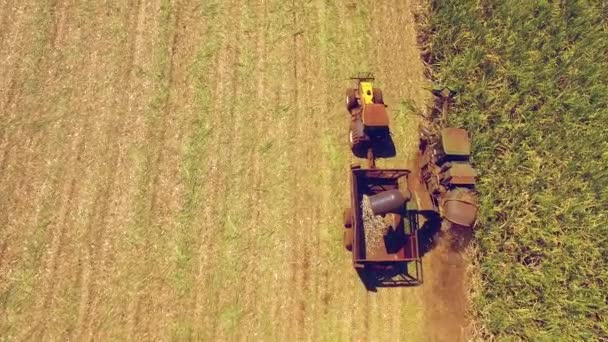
{"x": 387, "y": 201}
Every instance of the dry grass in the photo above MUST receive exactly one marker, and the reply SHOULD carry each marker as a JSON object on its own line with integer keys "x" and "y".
{"x": 172, "y": 171}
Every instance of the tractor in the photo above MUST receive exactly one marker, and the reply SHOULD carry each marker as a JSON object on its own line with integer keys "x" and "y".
{"x": 439, "y": 192}
{"x": 369, "y": 134}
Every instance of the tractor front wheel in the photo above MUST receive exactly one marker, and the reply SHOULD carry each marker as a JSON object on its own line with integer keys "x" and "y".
{"x": 351, "y": 99}
{"x": 377, "y": 97}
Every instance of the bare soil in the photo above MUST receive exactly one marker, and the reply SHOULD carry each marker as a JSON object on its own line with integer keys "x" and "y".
{"x": 177, "y": 170}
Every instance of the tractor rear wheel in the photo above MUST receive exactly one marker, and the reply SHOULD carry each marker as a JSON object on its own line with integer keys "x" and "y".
{"x": 354, "y": 138}
{"x": 358, "y": 145}
{"x": 377, "y": 97}
{"x": 351, "y": 98}
{"x": 348, "y": 239}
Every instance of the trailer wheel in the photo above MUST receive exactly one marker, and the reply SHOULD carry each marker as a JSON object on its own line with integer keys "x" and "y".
{"x": 348, "y": 218}
{"x": 351, "y": 98}
{"x": 377, "y": 97}
{"x": 348, "y": 239}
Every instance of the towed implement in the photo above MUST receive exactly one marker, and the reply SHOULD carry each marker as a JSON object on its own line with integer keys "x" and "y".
{"x": 448, "y": 176}
{"x": 385, "y": 251}
{"x": 390, "y": 208}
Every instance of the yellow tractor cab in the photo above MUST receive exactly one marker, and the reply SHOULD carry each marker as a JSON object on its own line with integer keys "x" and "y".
{"x": 367, "y": 92}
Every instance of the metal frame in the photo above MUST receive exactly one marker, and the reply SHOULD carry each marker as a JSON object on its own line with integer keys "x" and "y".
{"x": 405, "y": 271}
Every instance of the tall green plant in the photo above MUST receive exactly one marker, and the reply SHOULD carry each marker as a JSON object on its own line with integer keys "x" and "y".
{"x": 532, "y": 81}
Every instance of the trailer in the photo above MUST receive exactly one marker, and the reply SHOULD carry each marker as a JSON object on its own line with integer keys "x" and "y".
{"x": 393, "y": 260}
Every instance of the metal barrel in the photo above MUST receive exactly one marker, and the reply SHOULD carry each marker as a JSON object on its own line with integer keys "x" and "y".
{"x": 387, "y": 201}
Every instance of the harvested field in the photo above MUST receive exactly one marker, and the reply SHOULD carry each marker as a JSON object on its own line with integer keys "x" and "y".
{"x": 174, "y": 170}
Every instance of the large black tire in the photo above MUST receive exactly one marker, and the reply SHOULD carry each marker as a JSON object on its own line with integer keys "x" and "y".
{"x": 357, "y": 138}
{"x": 351, "y": 99}
{"x": 377, "y": 98}
{"x": 358, "y": 146}
{"x": 348, "y": 239}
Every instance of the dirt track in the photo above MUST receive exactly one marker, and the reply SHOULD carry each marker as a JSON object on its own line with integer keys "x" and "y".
{"x": 177, "y": 170}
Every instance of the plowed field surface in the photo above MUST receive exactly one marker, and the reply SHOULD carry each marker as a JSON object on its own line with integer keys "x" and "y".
{"x": 178, "y": 170}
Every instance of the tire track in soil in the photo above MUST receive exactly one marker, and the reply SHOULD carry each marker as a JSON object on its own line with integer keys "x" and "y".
{"x": 441, "y": 318}
{"x": 259, "y": 120}
{"x": 382, "y": 34}
{"x": 140, "y": 304}
{"x": 50, "y": 35}
{"x": 6, "y": 27}
{"x": 5, "y": 8}
{"x": 24, "y": 52}
{"x": 10, "y": 158}
{"x": 300, "y": 216}
{"x": 325, "y": 292}
{"x": 56, "y": 249}
{"x": 276, "y": 304}
{"x": 312, "y": 119}
{"x": 22, "y": 205}
{"x": 111, "y": 281}
{"x": 63, "y": 200}
{"x": 16, "y": 208}
{"x": 256, "y": 225}
{"x": 206, "y": 79}
{"x": 163, "y": 303}
{"x": 69, "y": 188}
{"x": 97, "y": 246}
{"x": 263, "y": 293}
{"x": 279, "y": 170}
{"x": 90, "y": 192}
{"x": 96, "y": 249}
{"x": 215, "y": 182}
{"x": 446, "y": 294}
{"x": 267, "y": 291}
{"x": 170, "y": 290}
{"x": 34, "y": 47}
{"x": 58, "y": 27}
{"x": 226, "y": 272}
{"x": 92, "y": 133}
